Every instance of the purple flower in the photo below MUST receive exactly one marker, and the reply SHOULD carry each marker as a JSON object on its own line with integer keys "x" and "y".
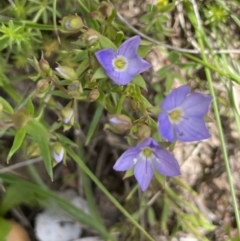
{"x": 146, "y": 157}
{"x": 122, "y": 65}
{"x": 182, "y": 115}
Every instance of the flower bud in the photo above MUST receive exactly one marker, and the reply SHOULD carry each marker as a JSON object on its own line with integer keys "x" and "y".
{"x": 42, "y": 87}
{"x": 96, "y": 15}
{"x": 90, "y": 36}
{"x": 44, "y": 66}
{"x": 93, "y": 95}
{"x": 106, "y": 9}
{"x": 161, "y": 4}
{"x": 75, "y": 89}
{"x": 67, "y": 116}
{"x": 120, "y": 123}
{"x": 58, "y": 152}
{"x": 20, "y": 119}
{"x": 135, "y": 105}
{"x": 93, "y": 62}
{"x": 72, "y": 23}
{"x": 66, "y": 72}
{"x": 143, "y": 132}
{"x": 88, "y": 76}
{"x": 33, "y": 150}
{"x": 35, "y": 64}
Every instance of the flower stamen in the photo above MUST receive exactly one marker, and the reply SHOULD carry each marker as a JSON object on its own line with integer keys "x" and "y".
{"x": 120, "y": 63}
{"x": 175, "y": 115}
{"x": 147, "y": 152}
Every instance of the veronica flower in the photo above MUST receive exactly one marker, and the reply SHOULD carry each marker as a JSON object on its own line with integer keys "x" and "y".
{"x": 182, "y": 115}
{"x": 122, "y": 65}
{"x": 145, "y": 158}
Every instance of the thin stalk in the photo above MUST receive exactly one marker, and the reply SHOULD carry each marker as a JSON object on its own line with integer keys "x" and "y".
{"x": 220, "y": 130}
{"x": 83, "y": 7}
{"x": 29, "y": 24}
{"x": 34, "y": 173}
{"x": 83, "y": 166}
{"x": 55, "y": 20}
{"x": 120, "y": 104}
{"x": 211, "y": 67}
{"x": 84, "y": 178}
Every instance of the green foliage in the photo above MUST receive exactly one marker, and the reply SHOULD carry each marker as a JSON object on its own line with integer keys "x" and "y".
{"x": 13, "y": 36}
{"x": 28, "y": 28}
{"x": 40, "y": 135}
{"x": 5, "y": 228}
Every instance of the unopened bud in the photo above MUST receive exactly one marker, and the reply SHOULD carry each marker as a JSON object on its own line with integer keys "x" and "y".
{"x": 72, "y": 23}
{"x": 42, "y": 87}
{"x": 106, "y": 9}
{"x": 44, "y": 66}
{"x": 33, "y": 150}
{"x": 90, "y": 36}
{"x": 67, "y": 116}
{"x": 58, "y": 152}
{"x": 120, "y": 123}
{"x": 93, "y": 62}
{"x": 75, "y": 89}
{"x": 88, "y": 76}
{"x": 35, "y": 64}
{"x": 135, "y": 105}
{"x": 20, "y": 119}
{"x": 96, "y": 15}
{"x": 66, "y": 72}
{"x": 143, "y": 132}
{"x": 93, "y": 95}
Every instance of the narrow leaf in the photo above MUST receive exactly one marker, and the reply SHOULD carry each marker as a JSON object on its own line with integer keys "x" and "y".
{"x": 106, "y": 43}
{"x": 40, "y": 134}
{"x": 6, "y": 106}
{"x": 94, "y": 123}
{"x": 30, "y": 107}
{"x": 99, "y": 74}
{"x": 64, "y": 140}
{"x": 138, "y": 80}
{"x": 18, "y": 139}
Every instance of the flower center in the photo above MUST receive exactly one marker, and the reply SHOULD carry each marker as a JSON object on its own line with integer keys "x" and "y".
{"x": 175, "y": 115}
{"x": 147, "y": 152}
{"x": 120, "y": 63}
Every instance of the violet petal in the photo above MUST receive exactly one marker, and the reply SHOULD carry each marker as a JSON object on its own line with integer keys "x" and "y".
{"x": 175, "y": 98}
{"x": 126, "y": 160}
{"x": 137, "y": 65}
{"x": 166, "y": 164}
{"x": 145, "y": 143}
{"x": 165, "y": 127}
{"x": 129, "y": 48}
{"x": 105, "y": 58}
{"x": 192, "y": 129}
{"x": 196, "y": 104}
{"x": 143, "y": 172}
{"x": 119, "y": 78}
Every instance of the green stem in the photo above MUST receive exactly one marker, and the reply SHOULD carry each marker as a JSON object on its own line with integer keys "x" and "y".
{"x": 55, "y": 19}
{"x": 211, "y": 67}
{"x": 83, "y": 166}
{"x": 60, "y": 87}
{"x": 84, "y": 178}
{"x": 120, "y": 104}
{"x": 29, "y": 24}
{"x": 220, "y": 130}
{"x": 84, "y": 8}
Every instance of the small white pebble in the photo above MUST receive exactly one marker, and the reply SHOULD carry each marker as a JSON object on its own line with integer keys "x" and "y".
{"x": 55, "y": 225}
